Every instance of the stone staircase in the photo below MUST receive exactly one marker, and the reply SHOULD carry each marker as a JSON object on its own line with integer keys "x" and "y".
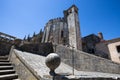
{"x": 7, "y": 71}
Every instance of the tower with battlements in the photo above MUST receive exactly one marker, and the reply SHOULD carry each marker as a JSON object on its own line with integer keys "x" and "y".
{"x": 64, "y": 30}
{"x": 72, "y": 20}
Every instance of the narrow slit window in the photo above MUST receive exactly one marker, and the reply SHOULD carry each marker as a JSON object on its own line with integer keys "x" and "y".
{"x": 62, "y": 34}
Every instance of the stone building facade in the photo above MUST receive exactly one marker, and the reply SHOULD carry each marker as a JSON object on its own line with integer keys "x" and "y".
{"x": 64, "y": 30}
{"x": 111, "y": 48}
{"x": 96, "y": 45}
{"x": 90, "y": 45}
{"x": 114, "y": 49}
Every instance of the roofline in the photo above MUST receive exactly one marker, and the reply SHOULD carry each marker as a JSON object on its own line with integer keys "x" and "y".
{"x": 7, "y": 35}
{"x": 71, "y": 7}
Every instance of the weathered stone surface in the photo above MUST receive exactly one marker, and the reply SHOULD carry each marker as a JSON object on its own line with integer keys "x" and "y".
{"x": 52, "y": 61}
{"x": 4, "y": 48}
{"x": 87, "y": 62}
{"x": 36, "y": 65}
{"x": 37, "y": 48}
{"x": 64, "y": 30}
{"x": 114, "y": 53}
{"x": 21, "y": 68}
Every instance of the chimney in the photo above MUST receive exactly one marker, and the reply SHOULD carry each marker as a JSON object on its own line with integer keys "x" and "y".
{"x": 100, "y": 35}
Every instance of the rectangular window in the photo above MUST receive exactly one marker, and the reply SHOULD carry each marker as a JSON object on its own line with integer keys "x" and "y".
{"x": 118, "y": 49}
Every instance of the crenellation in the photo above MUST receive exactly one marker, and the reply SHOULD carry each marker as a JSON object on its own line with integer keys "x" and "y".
{"x": 56, "y": 20}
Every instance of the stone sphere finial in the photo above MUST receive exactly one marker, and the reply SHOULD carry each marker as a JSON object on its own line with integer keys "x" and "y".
{"x": 52, "y": 61}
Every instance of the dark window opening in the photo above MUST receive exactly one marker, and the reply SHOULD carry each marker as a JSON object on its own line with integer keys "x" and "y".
{"x": 92, "y": 51}
{"x": 62, "y": 34}
{"x": 118, "y": 49}
{"x": 76, "y": 11}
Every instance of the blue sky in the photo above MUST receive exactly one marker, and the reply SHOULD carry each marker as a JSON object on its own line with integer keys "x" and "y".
{"x": 23, "y": 17}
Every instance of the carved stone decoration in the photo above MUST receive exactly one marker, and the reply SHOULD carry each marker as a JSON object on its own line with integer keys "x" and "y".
{"x": 52, "y": 61}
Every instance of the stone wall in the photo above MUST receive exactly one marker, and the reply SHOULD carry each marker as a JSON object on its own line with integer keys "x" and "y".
{"x": 86, "y": 62}
{"x": 4, "y": 48}
{"x": 32, "y": 67}
{"x": 22, "y": 69}
{"x": 102, "y": 49}
{"x": 90, "y": 44}
{"x": 114, "y": 53}
{"x": 40, "y": 48}
{"x": 55, "y": 31}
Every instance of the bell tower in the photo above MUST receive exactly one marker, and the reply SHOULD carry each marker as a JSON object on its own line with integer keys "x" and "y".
{"x": 71, "y": 17}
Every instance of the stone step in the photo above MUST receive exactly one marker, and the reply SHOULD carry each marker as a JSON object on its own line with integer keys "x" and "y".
{"x": 3, "y": 57}
{"x": 3, "y": 72}
{"x": 4, "y": 60}
{"x": 5, "y": 64}
{"x": 6, "y": 67}
{"x": 8, "y": 77}
{"x": 16, "y": 79}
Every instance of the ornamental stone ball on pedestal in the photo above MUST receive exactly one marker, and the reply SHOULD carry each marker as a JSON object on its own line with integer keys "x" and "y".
{"x": 52, "y": 61}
